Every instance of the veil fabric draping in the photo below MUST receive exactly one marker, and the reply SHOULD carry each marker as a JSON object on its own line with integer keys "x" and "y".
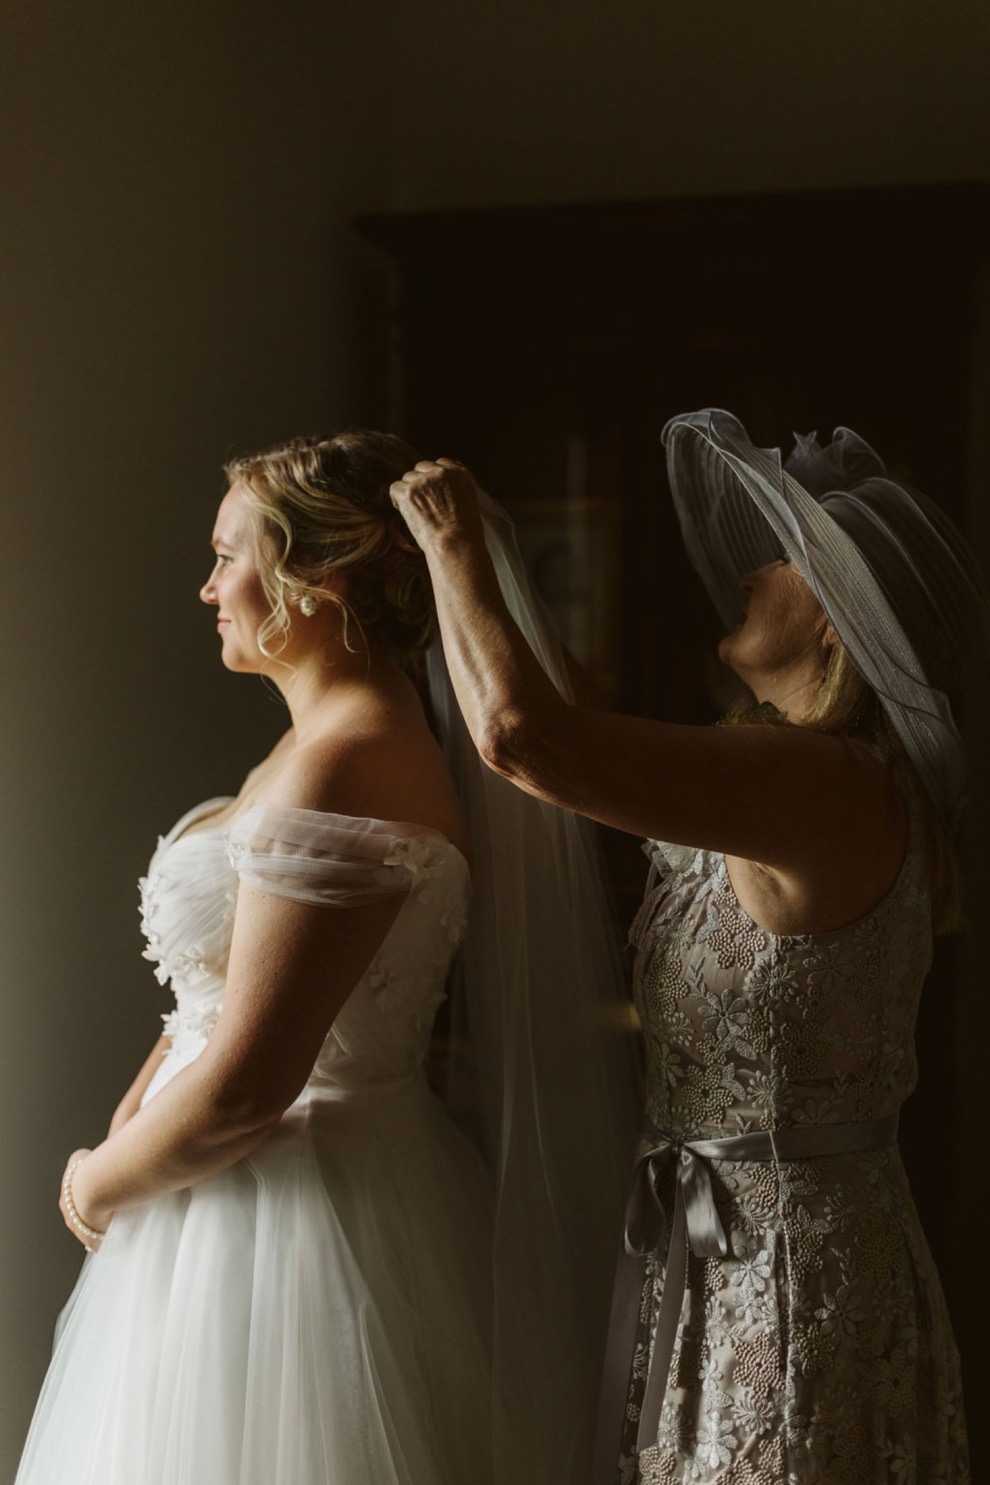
{"x": 542, "y": 1051}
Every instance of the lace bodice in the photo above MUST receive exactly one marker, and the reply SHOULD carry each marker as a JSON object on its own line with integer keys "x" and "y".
{"x": 189, "y": 897}
{"x": 748, "y": 1029}
{"x": 817, "y": 1347}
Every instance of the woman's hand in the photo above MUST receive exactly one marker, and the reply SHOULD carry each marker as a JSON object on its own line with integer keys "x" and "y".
{"x": 86, "y": 1212}
{"x": 437, "y": 500}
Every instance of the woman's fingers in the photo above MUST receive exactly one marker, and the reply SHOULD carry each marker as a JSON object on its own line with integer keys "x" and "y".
{"x": 437, "y": 496}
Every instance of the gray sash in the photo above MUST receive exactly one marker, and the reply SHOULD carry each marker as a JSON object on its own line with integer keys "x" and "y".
{"x": 695, "y": 1223}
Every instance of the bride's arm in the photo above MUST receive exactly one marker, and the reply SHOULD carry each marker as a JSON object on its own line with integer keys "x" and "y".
{"x": 292, "y": 966}
{"x": 131, "y": 1101}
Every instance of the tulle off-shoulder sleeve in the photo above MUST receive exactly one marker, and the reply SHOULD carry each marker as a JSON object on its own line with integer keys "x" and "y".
{"x": 330, "y": 860}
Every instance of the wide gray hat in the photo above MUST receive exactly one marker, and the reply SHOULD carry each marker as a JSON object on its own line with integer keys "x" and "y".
{"x": 896, "y": 580}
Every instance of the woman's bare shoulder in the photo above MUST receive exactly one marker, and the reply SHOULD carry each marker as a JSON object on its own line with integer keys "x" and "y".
{"x": 838, "y": 872}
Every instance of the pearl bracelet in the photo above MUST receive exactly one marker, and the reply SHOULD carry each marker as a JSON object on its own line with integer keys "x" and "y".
{"x": 90, "y": 1233}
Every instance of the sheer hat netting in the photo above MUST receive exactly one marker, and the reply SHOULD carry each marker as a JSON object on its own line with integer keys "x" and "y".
{"x": 895, "y": 579}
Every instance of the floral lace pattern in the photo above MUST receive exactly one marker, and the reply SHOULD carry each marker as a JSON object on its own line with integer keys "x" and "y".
{"x": 195, "y": 1024}
{"x": 149, "y": 889}
{"x": 188, "y": 901}
{"x": 819, "y": 1350}
{"x": 435, "y": 888}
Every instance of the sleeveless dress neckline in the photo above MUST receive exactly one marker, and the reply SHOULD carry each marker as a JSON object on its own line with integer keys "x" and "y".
{"x": 906, "y": 862}
{"x": 819, "y": 1347}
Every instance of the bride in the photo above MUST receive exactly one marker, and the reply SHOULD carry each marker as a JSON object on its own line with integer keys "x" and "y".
{"x": 298, "y": 1275}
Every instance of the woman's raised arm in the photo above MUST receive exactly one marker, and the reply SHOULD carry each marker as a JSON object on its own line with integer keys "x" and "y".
{"x": 742, "y": 790}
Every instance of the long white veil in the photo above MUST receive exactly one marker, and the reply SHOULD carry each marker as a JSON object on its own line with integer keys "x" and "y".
{"x": 541, "y": 1038}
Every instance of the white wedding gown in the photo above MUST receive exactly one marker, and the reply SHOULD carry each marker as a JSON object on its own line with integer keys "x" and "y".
{"x": 317, "y": 1314}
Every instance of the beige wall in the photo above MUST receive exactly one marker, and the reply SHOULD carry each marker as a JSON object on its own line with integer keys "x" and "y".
{"x": 178, "y": 279}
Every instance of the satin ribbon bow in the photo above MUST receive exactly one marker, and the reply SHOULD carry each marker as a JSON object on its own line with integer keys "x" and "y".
{"x": 646, "y": 1228}
{"x": 694, "y": 1224}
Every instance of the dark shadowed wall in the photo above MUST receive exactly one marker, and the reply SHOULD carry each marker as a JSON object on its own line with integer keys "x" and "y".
{"x": 179, "y": 280}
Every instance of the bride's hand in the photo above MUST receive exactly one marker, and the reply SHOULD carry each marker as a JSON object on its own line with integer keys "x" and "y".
{"x": 74, "y": 1186}
{"x": 437, "y": 500}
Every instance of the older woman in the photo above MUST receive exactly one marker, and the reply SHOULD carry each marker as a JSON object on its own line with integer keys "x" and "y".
{"x": 295, "y": 1274}
{"x": 786, "y": 1322}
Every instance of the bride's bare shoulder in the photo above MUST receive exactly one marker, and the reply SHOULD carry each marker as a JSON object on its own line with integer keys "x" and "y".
{"x": 256, "y": 777}
{"x": 375, "y": 762}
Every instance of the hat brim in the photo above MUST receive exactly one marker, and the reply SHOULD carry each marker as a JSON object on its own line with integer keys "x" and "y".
{"x": 738, "y": 509}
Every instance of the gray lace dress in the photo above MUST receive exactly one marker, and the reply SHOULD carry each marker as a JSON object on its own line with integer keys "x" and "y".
{"x": 819, "y": 1348}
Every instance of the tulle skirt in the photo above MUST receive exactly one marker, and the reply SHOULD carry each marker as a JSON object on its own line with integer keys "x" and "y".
{"x": 316, "y": 1315}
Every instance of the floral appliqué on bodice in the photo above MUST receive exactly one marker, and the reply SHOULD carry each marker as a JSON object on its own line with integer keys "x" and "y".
{"x": 819, "y": 1350}
{"x": 189, "y": 898}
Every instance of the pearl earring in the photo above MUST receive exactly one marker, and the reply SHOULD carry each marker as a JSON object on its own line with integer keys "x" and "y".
{"x": 307, "y": 605}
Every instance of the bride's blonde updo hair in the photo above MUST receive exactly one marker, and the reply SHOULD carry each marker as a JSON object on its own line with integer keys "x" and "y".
{"x": 322, "y": 506}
